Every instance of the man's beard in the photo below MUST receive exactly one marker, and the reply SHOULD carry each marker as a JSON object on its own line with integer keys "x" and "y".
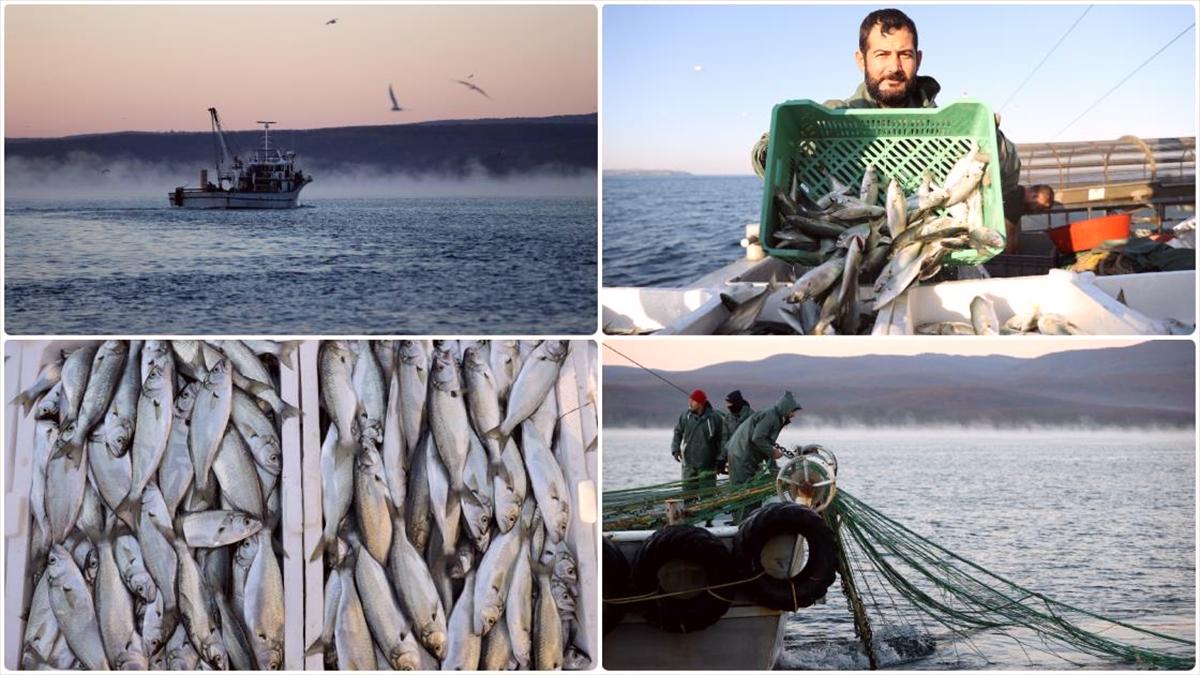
{"x": 892, "y": 97}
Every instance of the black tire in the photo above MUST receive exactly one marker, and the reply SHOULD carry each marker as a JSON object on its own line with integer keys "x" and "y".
{"x": 807, "y": 586}
{"x": 616, "y": 584}
{"x": 688, "y": 543}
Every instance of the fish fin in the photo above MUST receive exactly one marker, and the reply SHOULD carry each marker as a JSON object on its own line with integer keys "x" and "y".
{"x": 287, "y": 349}
{"x": 728, "y": 302}
{"x": 289, "y": 411}
{"x": 316, "y": 648}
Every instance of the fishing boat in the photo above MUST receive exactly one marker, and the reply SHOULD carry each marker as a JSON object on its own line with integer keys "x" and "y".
{"x": 1148, "y": 182}
{"x": 705, "y": 621}
{"x": 269, "y": 179}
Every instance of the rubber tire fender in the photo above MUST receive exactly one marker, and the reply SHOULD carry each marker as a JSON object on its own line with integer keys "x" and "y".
{"x": 616, "y": 584}
{"x": 810, "y": 583}
{"x": 691, "y": 544}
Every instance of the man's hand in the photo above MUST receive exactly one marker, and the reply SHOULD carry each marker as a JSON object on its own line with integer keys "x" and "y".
{"x": 722, "y": 467}
{"x": 677, "y": 455}
{"x": 777, "y": 452}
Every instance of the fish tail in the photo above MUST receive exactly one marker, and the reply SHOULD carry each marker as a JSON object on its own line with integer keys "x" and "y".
{"x": 25, "y": 400}
{"x": 288, "y": 411}
{"x": 286, "y": 349}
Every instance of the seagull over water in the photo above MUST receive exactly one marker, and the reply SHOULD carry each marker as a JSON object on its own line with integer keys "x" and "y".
{"x": 471, "y": 85}
{"x": 395, "y": 104}
{"x": 334, "y": 20}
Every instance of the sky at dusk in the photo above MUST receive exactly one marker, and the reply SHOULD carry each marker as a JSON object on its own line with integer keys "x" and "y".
{"x": 691, "y": 87}
{"x": 88, "y": 69}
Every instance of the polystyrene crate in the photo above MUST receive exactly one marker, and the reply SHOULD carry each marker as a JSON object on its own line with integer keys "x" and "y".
{"x": 1058, "y": 292}
{"x": 809, "y": 139}
{"x": 23, "y": 361}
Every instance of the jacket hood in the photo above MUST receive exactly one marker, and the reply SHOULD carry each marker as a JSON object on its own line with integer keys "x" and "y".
{"x": 786, "y": 404}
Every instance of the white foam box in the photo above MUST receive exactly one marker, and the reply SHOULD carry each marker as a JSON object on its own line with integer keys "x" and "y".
{"x": 577, "y": 435}
{"x": 1059, "y": 292}
{"x": 1158, "y": 295}
{"x": 653, "y": 309}
{"x": 23, "y": 359}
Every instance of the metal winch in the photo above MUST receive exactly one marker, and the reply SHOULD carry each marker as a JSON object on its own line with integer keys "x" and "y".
{"x": 809, "y": 477}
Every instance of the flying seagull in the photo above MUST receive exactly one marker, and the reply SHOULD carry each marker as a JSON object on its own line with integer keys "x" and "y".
{"x": 331, "y": 21}
{"x": 472, "y": 86}
{"x": 395, "y": 104}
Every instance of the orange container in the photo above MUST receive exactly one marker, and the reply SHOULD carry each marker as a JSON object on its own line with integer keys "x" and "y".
{"x": 1090, "y": 233}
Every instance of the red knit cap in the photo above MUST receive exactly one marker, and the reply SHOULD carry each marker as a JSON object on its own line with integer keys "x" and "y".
{"x": 699, "y": 397}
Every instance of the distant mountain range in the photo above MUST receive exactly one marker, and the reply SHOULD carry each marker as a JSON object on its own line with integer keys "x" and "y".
{"x": 645, "y": 172}
{"x": 1150, "y": 384}
{"x": 560, "y": 144}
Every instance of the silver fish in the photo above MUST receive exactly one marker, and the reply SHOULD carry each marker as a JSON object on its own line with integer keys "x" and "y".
{"x": 497, "y": 650}
{"x": 465, "y": 645}
{"x": 742, "y": 315}
{"x": 263, "y": 609}
{"x": 111, "y": 475}
{"x": 448, "y": 418}
{"x": 477, "y": 500}
{"x": 337, "y": 392}
{"x": 66, "y": 480}
{"x": 418, "y": 595}
{"x": 387, "y": 623}
{"x": 128, "y": 554}
{"x": 114, "y": 608}
{"x": 237, "y": 645}
{"x": 257, "y": 431}
{"x": 179, "y": 651}
{"x": 252, "y": 376}
{"x": 49, "y": 377}
{"x": 509, "y": 486}
{"x": 983, "y": 316}
{"x": 817, "y": 280}
{"x": 45, "y": 436}
{"x": 158, "y": 353}
{"x": 393, "y": 452}
{"x": 333, "y": 594}
{"x": 371, "y": 503}
{"x": 175, "y": 470}
{"x": 371, "y": 391}
{"x": 41, "y": 627}
{"x": 337, "y": 486}
{"x": 847, "y": 313}
{"x": 547, "y": 629}
{"x": 1056, "y": 324}
{"x": 518, "y": 611}
{"x": 50, "y": 405}
{"x": 155, "y": 535}
{"x": 896, "y": 209}
{"x": 898, "y": 274}
{"x": 155, "y": 411}
{"x": 414, "y": 383}
{"x": 210, "y": 416}
{"x": 74, "y": 376}
{"x": 491, "y": 583}
{"x": 209, "y": 529}
{"x": 243, "y": 558}
{"x": 71, "y": 602}
{"x": 105, "y": 372}
{"x": 868, "y": 191}
{"x": 153, "y": 623}
{"x": 483, "y": 399}
{"x": 505, "y": 363}
{"x": 194, "y": 609}
{"x": 282, "y": 350}
{"x": 444, "y": 506}
{"x": 385, "y": 353}
{"x": 945, "y": 328}
{"x": 418, "y": 507}
{"x": 549, "y": 487}
{"x": 235, "y": 471}
{"x": 538, "y": 374}
{"x": 352, "y": 635}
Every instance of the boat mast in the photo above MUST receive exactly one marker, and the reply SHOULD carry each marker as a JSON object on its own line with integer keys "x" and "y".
{"x": 222, "y": 149}
{"x": 266, "y": 148}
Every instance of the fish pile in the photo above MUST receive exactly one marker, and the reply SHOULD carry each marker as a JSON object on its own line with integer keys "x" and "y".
{"x": 447, "y": 517}
{"x": 896, "y": 244}
{"x": 985, "y": 322}
{"x": 155, "y": 497}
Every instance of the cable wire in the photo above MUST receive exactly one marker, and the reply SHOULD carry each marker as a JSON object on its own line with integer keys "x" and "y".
{"x": 681, "y": 389}
{"x": 1124, "y": 79}
{"x": 1044, "y": 58}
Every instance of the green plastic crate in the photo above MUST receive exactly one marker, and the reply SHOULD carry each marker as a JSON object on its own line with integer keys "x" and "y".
{"x": 811, "y": 139}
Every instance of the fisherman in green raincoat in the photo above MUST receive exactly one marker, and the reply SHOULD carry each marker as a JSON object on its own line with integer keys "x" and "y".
{"x": 739, "y": 411}
{"x": 888, "y": 57}
{"x": 697, "y": 442}
{"x": 753, "y": 445}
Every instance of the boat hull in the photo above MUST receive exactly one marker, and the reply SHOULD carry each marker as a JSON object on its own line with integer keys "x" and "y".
{"x": 225, "y": 199}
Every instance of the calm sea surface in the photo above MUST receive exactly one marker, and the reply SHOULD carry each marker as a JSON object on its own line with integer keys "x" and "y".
{"x": 402, "y": 265}
{"x": 1102, "y": 521}
{"x": 669, "y": 230}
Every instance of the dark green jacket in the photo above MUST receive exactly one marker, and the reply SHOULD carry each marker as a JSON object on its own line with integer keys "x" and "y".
{"x": 922, "y": 97}
{"x": 753, "y": 443}
{"x": 732, "y": 422}
{"x": 698, "y": 438}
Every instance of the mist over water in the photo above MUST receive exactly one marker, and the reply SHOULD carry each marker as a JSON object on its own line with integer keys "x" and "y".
{"x": 1102, "y": 519}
